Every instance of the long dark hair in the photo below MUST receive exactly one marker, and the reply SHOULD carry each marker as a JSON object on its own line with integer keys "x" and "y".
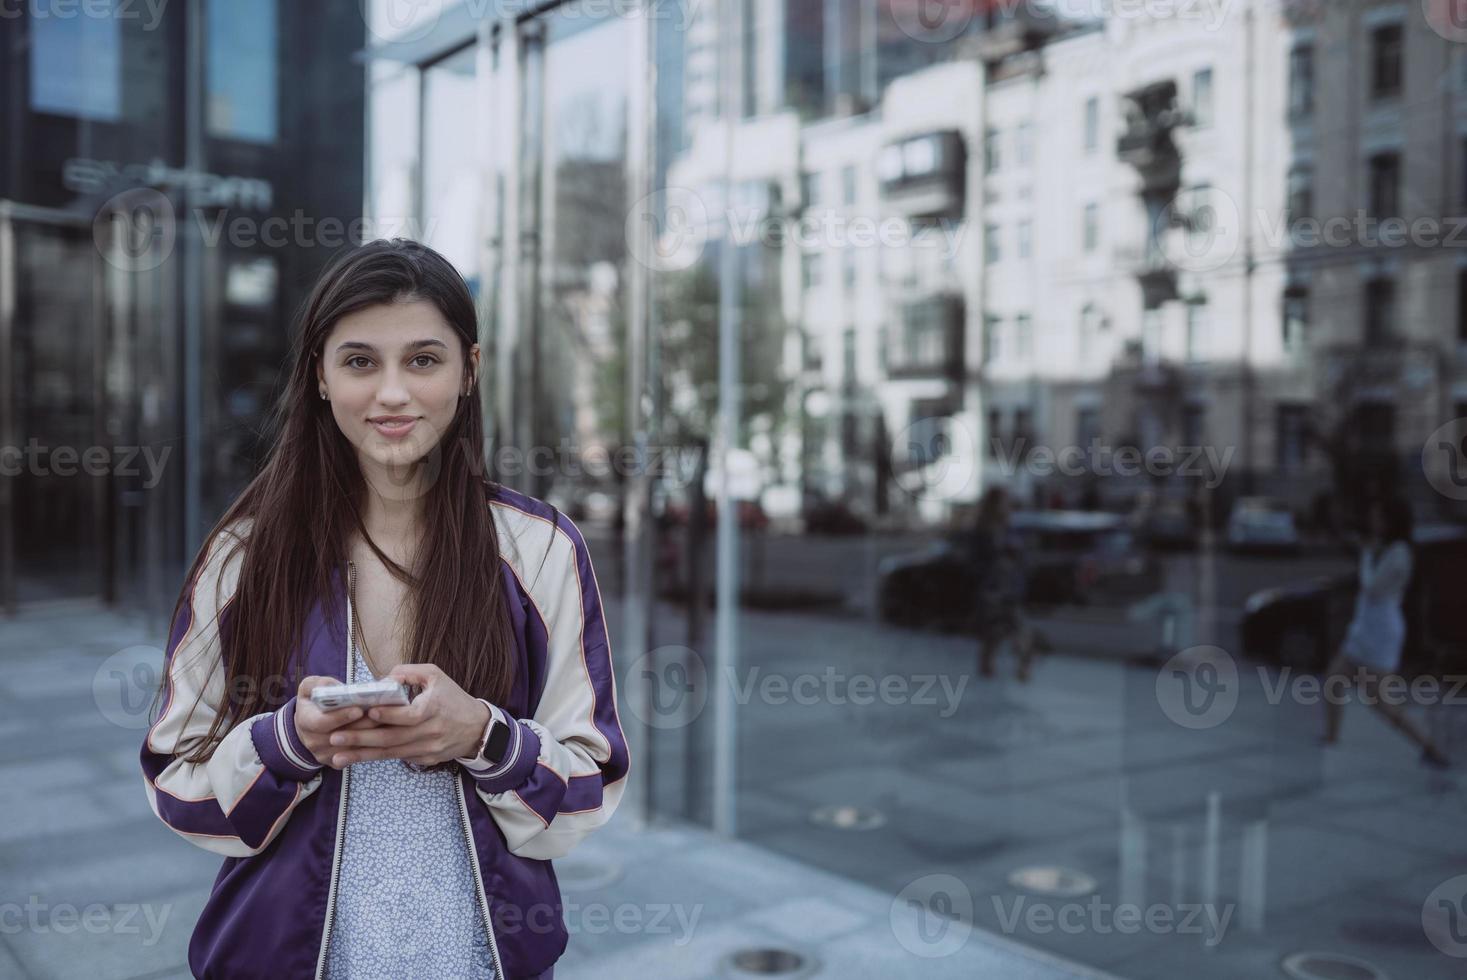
{"x": 308, "y": 498}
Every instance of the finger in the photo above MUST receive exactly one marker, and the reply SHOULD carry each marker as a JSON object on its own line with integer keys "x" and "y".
{"x": 413, "y": 750}
{"x": 375, "y": 737}
{"x": 424, "y": 674}
{"x": 310, "y": 683}
{"x": 419, "y": 711}
{"x": 313, "y": 719}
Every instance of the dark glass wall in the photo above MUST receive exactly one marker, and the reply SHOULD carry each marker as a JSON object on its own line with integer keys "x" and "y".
{"x": 174, "y": 183}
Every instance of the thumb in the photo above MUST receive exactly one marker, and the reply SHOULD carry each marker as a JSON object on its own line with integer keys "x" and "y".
{"x": 422, "y": 675}
{"x": 310, "y": 683}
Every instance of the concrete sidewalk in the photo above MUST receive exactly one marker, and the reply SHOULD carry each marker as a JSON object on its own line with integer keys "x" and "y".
{"x": 96, "y": 887}
{"x": 741, "y": 897}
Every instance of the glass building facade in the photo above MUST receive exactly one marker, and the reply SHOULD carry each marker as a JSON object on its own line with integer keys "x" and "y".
{"x": 171, "y": 182}
{"x": 775, "y": 432}
{"x": 770, "y": 293}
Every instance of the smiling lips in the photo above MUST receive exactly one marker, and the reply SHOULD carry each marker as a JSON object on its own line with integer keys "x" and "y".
{"x": 393, "y": 426}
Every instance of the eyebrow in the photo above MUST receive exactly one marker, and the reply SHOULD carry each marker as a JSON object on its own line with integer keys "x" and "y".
{"x": 415, "y": 345}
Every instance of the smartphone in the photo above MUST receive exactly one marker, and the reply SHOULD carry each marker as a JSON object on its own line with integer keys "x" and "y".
{"x": 363, "y": 694}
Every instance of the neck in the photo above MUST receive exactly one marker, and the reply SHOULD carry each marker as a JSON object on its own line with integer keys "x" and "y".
{"x": 393, "y": 502}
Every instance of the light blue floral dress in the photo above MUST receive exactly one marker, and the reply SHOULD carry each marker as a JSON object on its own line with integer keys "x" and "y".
{"x": 406, "y": 905}
{"x": 1378, "y": 629}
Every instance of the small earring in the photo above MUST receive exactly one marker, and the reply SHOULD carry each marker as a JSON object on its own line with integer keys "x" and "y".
{"x": 323, "y": 397}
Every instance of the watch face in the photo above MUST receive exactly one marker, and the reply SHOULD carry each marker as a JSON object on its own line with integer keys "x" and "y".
{"x": 498, "y": 744}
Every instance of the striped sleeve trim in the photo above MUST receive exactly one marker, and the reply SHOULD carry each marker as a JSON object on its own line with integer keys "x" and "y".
{"x": 280, "y": 747}
{"x": 519, "y": 761}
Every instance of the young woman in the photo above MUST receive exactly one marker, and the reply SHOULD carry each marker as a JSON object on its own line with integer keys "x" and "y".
{"x": 1372, "y": 647}
{"x": 407, "y": 841}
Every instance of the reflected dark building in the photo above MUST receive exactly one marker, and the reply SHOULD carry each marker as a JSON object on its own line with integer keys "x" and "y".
{"x": 170, "y": 186}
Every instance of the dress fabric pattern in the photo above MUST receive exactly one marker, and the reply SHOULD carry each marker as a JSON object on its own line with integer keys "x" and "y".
{"x": 406, "y": 905}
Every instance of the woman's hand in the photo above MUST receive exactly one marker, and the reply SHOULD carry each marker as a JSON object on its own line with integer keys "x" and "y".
{"x": 315, "y": 726}
{"x": 442, "y": 723}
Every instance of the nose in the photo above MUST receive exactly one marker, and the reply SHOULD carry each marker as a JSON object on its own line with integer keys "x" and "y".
{"x": 393, "y": 392}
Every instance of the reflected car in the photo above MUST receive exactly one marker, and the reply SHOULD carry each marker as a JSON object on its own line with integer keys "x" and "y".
{"x": 1169, "y": 526}
{"x": 1262, "y": 524}
{"x": 832, "y": 517}
{"x": 751, "y": 516}
{"x": 1301, "y": 626}
{"x": 1072, "y": 558}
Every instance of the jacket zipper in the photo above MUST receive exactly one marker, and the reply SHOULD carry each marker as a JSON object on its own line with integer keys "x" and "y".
{"x": 351, "y": 645}
{"x": 463, "y": 808}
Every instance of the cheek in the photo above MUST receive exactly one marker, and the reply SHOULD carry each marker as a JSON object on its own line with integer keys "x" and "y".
{"x": 441, "y": 395}
{"x": 349, "y": 402}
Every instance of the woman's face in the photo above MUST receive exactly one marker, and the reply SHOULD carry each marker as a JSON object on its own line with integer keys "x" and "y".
{"x": 394, "y": 374}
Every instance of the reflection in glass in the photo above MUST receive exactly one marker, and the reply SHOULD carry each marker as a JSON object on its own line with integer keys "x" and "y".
{"x": 241, "y": 66}
{"x": 76, "y": 66}
{"x": 451, "y": 168}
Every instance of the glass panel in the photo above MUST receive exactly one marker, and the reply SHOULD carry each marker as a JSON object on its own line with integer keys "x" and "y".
{"x": 451, "y": 168}
{"x": 62, "y": 469}
{"x": 246, "y": 354}
{"x": 393, "y": 158}
{"x": 890, "y": 713}
{"x": 191, "y": 329}
{"x": 241, "y": 69}
{"x": 76, "y": 64}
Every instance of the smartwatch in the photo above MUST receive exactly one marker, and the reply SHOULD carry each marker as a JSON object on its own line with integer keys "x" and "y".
{"x": 496, "y": 741}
